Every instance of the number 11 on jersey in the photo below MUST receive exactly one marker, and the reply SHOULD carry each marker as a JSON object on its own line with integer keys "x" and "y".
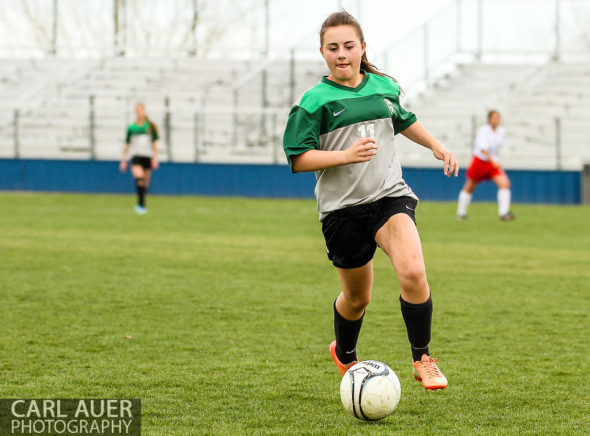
{"x": 367, "y": 130}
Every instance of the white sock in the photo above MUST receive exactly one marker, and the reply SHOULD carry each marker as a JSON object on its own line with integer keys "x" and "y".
{"x": 464, "y": 200}
{"x": 503, "y": 201}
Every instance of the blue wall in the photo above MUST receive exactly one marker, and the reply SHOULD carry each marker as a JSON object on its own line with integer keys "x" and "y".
{"x": 562, "y": 187}
{"x": 263, "y": 181}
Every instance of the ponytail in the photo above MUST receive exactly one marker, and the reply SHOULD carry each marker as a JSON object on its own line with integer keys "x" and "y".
{"x": 371, "y": 68}
{"x": 153, "y": 128}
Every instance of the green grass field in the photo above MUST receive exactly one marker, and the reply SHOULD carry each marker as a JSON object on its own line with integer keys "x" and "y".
{"x": 217, "y": 313}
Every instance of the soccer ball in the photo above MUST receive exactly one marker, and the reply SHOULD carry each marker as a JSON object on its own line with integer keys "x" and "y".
{"x": 370, "y": 390}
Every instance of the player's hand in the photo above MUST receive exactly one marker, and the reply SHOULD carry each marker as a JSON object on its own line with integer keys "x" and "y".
{"x": 155, "y": 163}
{"x": 362, "y": 150}
{"x": 123, "y": 166}
{"x": 448, "y": 157}
{"x": 496, "y": 164}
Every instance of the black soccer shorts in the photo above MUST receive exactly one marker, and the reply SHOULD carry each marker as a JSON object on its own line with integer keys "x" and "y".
{"x": 143, "y": 161}
{"x": 350, "y": 232}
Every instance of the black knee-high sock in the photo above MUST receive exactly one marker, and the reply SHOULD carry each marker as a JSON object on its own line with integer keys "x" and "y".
{"x": 418, "y": 319}
{"x": 347, "y": 334}
{"x": 140, "y": 187}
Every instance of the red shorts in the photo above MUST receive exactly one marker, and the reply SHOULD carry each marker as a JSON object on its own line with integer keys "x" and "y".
{"x": 480, "y": 170}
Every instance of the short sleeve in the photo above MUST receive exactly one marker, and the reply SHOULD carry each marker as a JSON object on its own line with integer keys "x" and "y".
{"x": 128, "y": 136}
{"x": 402, "y": 119}
{"x": 301, "y": 134}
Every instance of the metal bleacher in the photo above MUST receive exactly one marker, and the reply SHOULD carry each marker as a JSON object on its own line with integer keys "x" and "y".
{"x": 210, "y": 110}
{"x": 224, "y": 100}
{"x": 545, "y": 110}
{"x": 200, "y": 112}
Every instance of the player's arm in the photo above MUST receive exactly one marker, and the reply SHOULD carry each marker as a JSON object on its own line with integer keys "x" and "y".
{"x": 123, "y": 164}
{"x": 362, "y": 150}
{"x": 490, "y": 159}
{"x": 155, "y": 162}
{"x": 417, "y": 132}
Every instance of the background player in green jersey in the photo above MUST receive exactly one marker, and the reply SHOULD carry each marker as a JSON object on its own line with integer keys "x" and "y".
{"x": 343, "y": 129}
{"x": 141, "y": 145}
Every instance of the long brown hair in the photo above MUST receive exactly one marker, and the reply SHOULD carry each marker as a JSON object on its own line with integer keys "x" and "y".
{"x": 343, "y": 18}
{"x": 152, "y": 126}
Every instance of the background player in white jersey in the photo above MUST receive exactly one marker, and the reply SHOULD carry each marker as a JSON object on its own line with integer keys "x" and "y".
{"x": 343, "y": 129}
{"x": 486, "y": 166}
{"x": 141, "y": 145}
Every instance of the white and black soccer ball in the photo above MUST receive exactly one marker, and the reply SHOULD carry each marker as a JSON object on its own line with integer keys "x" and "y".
{"x": 370, "y": 390}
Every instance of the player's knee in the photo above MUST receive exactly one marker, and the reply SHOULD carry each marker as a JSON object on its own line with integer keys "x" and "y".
{"x": 359, "y": 302}
{"x": 140, "y": 181}
{"x": 412, "y": 273}
{"x": 469, "y": 187}
{"x": 503, "y": 182}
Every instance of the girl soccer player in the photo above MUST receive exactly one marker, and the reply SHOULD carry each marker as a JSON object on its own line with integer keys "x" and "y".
{"x": 343, "y": 129}
{"x": 485, "y": 166}
{"x": 142, "y": 145}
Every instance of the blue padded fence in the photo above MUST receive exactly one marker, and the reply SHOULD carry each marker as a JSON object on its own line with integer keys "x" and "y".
{"x": 264, "y": 181}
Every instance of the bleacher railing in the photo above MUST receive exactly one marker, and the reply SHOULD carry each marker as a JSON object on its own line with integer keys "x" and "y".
{"x": 254, "y": 135}
{"x": 524, "y": 31}
{"x": 466, "y": 30}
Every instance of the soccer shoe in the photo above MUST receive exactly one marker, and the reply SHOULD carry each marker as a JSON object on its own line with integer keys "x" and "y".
{"x": 140, "y": 210}
{"x": 426, "y": 371}
{"x": 461, "y": 217}
{"x": 341, "y": 366}
{"x": 507, "y": 217}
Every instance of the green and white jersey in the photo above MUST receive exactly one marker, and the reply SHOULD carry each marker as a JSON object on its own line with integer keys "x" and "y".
{"x": 330, "y": 116}
{"x": 140, "y": 139}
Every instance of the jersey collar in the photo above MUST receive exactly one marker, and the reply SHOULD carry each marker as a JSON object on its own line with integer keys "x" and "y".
{"x": 348, "y": 88}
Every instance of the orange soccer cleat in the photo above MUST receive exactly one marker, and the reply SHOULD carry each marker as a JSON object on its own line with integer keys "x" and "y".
{"x": 341, "y": 366}
{"x": 427, "y": 372}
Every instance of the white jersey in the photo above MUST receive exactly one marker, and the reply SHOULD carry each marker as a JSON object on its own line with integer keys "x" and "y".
{"x": 141, "y": 145}
{"x": 489, "y": 140}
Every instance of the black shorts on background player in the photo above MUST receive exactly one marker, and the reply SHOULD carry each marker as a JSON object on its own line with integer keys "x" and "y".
{"x": 350, "y": 232}
{"x": 143, "y": 161}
